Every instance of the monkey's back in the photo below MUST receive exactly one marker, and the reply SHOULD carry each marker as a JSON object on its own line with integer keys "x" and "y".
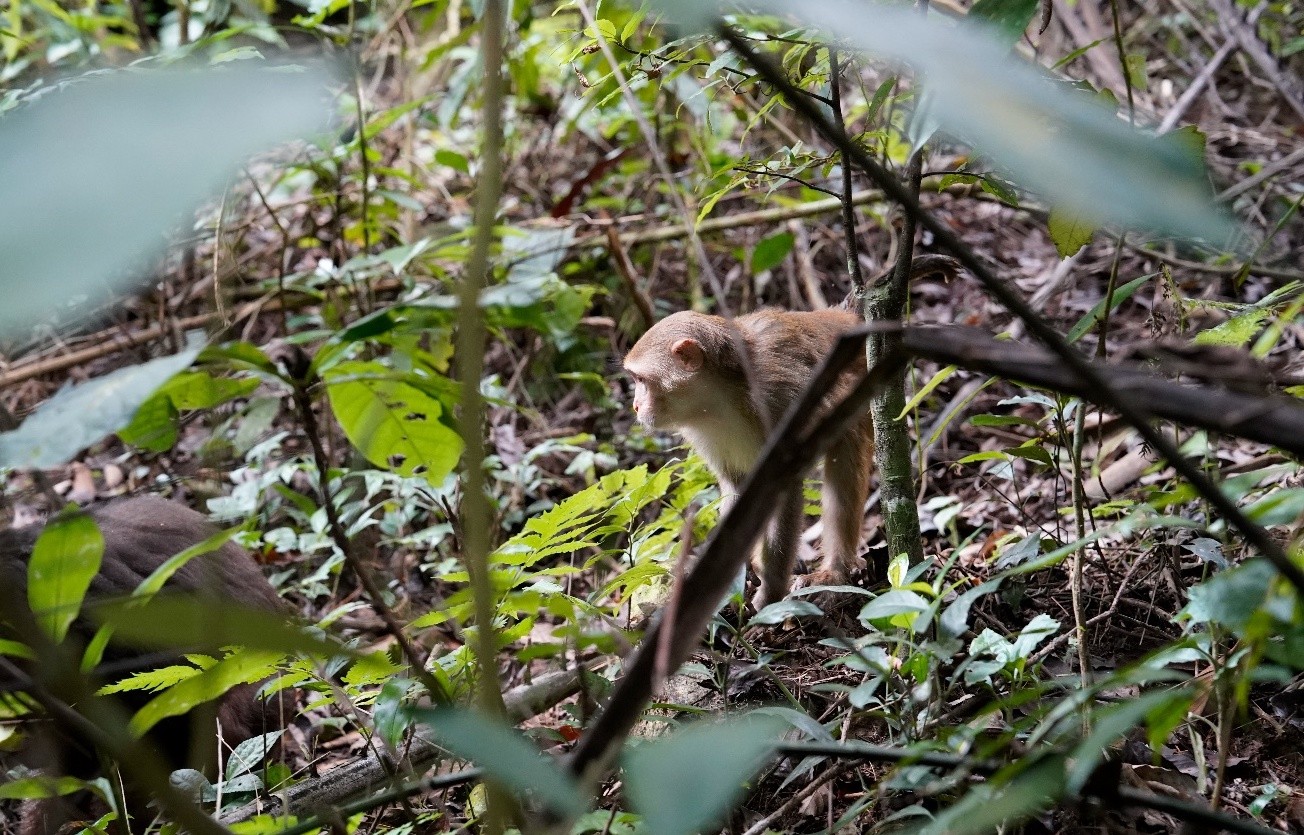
{"x": 789, "y": 345}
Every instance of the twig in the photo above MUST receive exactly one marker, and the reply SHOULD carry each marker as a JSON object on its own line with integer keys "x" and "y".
{"x": 628, "y": 275}
{"x": 1269, "y": 419}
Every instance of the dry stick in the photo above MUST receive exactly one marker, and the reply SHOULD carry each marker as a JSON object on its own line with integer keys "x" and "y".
{"x": 1268, "y": 171}
{"x": 1269, "y": 419}
{"x": 798, "y": 798}
{"x": 791, "y": 449}
{"x": 303, "y": 404}
{"x": 629, "y": 276}
{"x": 1127, "y": 407}
{"x": 1233, "y": 23}
{"x": 1191, "y": 93}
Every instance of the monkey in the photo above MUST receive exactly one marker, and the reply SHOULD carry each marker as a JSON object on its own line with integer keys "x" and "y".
{"x": 691, "y": 373}
{"x": 140, "y": 534}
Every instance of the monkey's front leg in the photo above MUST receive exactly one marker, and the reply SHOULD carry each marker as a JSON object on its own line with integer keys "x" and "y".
{"x": 778, "y": 555}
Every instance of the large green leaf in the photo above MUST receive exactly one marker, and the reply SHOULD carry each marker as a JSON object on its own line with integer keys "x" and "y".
{"x": 396, "y": 425}
{"x": 96, "y": 172}
{"x": 64, "y": 560}
{"x": 191, "y": 622}
{"x": 504, "y": 754}
{"x": 78, "y": 416}
{"x": 689, "y": 779}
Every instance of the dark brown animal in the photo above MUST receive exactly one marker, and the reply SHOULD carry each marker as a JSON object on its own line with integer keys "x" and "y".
{"x": 139, "y": 535}
{"x": 723, "y": 385}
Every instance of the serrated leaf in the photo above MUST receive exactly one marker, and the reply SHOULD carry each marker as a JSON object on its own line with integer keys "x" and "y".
{"x": 65, "y": 558}
{"x": 152, "y": 681}
{"x": 242, "y": 667}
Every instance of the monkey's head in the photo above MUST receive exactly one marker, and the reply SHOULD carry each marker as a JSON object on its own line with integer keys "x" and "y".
{"x": 676, "y": 370}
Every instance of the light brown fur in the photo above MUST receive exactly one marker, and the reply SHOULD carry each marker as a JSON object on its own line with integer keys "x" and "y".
{"x": 691, "y": 373}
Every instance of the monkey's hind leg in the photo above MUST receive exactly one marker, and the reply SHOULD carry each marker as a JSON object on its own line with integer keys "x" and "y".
{"x": 846, "y": 486}
{"x": 779, "y": 554}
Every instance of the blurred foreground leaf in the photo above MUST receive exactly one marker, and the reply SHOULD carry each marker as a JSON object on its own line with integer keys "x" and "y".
{"x": 97, "y": 172}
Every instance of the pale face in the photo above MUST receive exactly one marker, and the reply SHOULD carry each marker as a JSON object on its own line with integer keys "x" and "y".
{"x": 648, "y": 396}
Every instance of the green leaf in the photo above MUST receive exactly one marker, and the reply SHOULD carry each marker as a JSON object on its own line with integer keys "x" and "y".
{"x": 64, "y": 560}
{"x": 153, "y": 428}
{"x": 453, "y": 160}
{"x": 193, "y": 622}
{"x": 987, "y": 808}
{"x": 1111, "y": 724}
{"x": 242, "y": 667}
{"x": 121, "y": 158}
{"x": 771, "y": 251}
{"x": 1231, "y": 597}
{"x": 37, "y": 788}
{"x": 80, "y": 415}
{"x": 1069, "y": 230}
{"x": 250, "y": 753}
{"x": 1121, "y": 295}
{"x": 1008, "y": 18}
{"x": 1281, "y": 507}
{"x": 1236, "y": 331}
{"x": 688, "y": 780}
{"x": 396, "y": 425}
{"x": 505, "y": 755}
{"x": 785, "y": 610}
{"x": 892, "y": 603}
{"x": 954, "y": 620}
{"x": 154, "y": 582}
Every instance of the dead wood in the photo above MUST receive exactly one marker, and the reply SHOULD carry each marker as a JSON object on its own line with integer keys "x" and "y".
{"x": 1268, "y": 418}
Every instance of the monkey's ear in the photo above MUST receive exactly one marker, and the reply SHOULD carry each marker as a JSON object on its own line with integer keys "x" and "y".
{"x": 689, "y": 353}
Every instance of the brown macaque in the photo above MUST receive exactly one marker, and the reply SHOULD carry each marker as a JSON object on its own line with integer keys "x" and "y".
{"x": 690, "y": 375}
{"x": 139, "y": 535}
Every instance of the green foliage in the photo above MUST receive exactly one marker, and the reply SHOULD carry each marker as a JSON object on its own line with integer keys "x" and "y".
{"x": 686, "y": 781}
{"x": 504, "y": 754}
{"x": 65, "y": 559}
{"x": 80, "y": 415}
